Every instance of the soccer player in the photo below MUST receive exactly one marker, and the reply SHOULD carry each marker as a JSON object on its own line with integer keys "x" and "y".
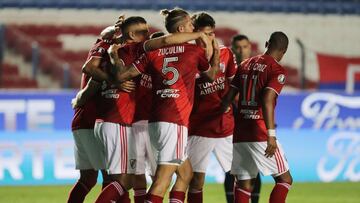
{"x": 116, "y": 109}
{"x": 145, "y": 158}
{"x": 259, "y": 81}
{"x": 210, "y": 129}
{"x": 87, "y": 159}
{"x": 241, "y": 47}
{"x": 173, "y": 70}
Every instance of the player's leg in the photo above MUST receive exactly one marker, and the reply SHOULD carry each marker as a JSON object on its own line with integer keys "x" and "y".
{"x": 169, "y": 141}
{"x": 83, "y": 186}
{"x": 224, "y": 153}
{"x": 283, "y": 179}
{"x": 199, "y": 149}
{"x": 106, "y": 179}
{"x": 141, "y": 141}
{"x": 161, "y": 183}
{"x": 276, "y": 166}
{"x": 88, "y": 176}
{"x": 114, "y": 139}
{"x": 184, "y": 175}
{"x": 245, "y": 170}
{"x": 229, "y": 182}
{"x": 281, "y": 188}
{"x": 255, "y": 194}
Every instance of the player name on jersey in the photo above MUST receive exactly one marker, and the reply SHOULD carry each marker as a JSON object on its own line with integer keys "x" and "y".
{"x": 257, "y": 67}
{"x": 171, "y": 50}
{"x": 209, "y": 88}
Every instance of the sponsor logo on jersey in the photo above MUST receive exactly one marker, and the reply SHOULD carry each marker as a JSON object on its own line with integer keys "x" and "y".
{"x": 281, "y": 79}
{"x": 222, "y": 67}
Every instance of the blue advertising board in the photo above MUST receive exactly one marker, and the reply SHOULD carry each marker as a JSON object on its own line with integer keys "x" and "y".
{"x": 320, "y": 133}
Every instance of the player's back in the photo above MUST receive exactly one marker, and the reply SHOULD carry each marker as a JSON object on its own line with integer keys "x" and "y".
{"x": 84, "y": 117}
{"x": 173, "y": 71}
{"x": 253, "y": 76}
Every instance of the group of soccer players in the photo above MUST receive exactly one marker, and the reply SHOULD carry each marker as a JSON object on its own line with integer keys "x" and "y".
{"x": 162, "y": 104}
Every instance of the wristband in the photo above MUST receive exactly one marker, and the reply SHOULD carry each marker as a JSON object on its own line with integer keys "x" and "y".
{"x": 271, "y": 132}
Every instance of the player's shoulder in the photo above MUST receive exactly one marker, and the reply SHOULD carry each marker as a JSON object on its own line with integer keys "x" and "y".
{"x": 100, "y": 47}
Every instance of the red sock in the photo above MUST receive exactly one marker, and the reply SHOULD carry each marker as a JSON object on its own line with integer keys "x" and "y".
{"x": 177, "y": 197}
{"x": 113, "y": 192}
{"x": 125, "y": 198}
{"x": 241, "y": 195}
{"x": 279, "y": 193}
{"x": 78, "y": 193}
{"x": 195, "y": 196}
{"x": 139, "y": 195}
{"x": 153, "y": 198}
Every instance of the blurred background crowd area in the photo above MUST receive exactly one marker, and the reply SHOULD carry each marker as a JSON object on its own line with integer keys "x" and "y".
{"x": 44, "y": 43}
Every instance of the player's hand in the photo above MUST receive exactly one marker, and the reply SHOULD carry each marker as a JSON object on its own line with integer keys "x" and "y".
{"x": 113, "y": 49}
{"x": 271, "y": 147}
{"x": 205, "y": 40}
{"x": 224, "y": 108}
{"x": 127, "y": 86}
{"x": 119, "y": 22}
{"x": 215, "y": 44}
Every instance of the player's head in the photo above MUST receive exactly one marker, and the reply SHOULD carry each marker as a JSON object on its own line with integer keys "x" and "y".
{"x": 205, "y": 23}
{"x": 134, "y": 29}
{"x": 277, "y": 44}
{"x": 241, "y": 46}
{"x": 156, "y": 35}
{"x": 177, "y": 20}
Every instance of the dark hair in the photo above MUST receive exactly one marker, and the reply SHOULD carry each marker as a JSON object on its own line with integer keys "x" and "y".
{"x": 133, "y": 20}
{"x": 202, "y": 19}
{"x": 173, "y": 18}
{"x": 239, "y": 38}
{"x": 156, "y": 35}
{"x": 278, "y": 41}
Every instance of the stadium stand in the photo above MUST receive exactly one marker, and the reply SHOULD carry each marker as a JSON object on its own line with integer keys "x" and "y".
{"x": 350, "y": 7}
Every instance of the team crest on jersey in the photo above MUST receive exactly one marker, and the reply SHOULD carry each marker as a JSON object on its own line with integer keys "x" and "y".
{"x": 133, "y": 163}
{"x": 222, "y": 67}
{"x": 281, "y": 79}
{"x": 101, "y": 50}
{"x": 103, "y": 85}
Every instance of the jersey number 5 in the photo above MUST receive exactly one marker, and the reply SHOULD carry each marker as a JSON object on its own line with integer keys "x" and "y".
{"x": 247, "y": 89}
{"x": 168, "y": 69}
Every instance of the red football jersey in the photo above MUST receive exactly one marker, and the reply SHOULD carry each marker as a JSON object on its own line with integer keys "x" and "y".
{"x": 84, "y": 117}
{"x": 206, "y": 118}
{"x": 114, "y": 105}
{"x": 252, "y": 77}
{"x": 143, "y": 98}
{"x": 173, "y": 70}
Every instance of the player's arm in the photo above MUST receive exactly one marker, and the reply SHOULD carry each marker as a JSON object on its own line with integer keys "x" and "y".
{"x": 214, "y": 62}
{"x": 228, "y": 99}
{"x": 173, "y": 39}
{"x": 91, "y": 68}
{"x": 121, "y": 72}
{"x": 86, "y": 93}
{"x": 268, "y": 106}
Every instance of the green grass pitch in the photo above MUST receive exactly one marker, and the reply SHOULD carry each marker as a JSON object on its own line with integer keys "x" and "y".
{"x": 343, "y": 192}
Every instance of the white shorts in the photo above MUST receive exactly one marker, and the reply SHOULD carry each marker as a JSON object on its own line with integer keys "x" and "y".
{"x": 169, "y": 141}
{"x": 145, "y": 157}
{"x": 86, "y": 150}
{"x": 249, "y": 160}
{"x": 117, "y": 150}
{"x": 200, "y": 148}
